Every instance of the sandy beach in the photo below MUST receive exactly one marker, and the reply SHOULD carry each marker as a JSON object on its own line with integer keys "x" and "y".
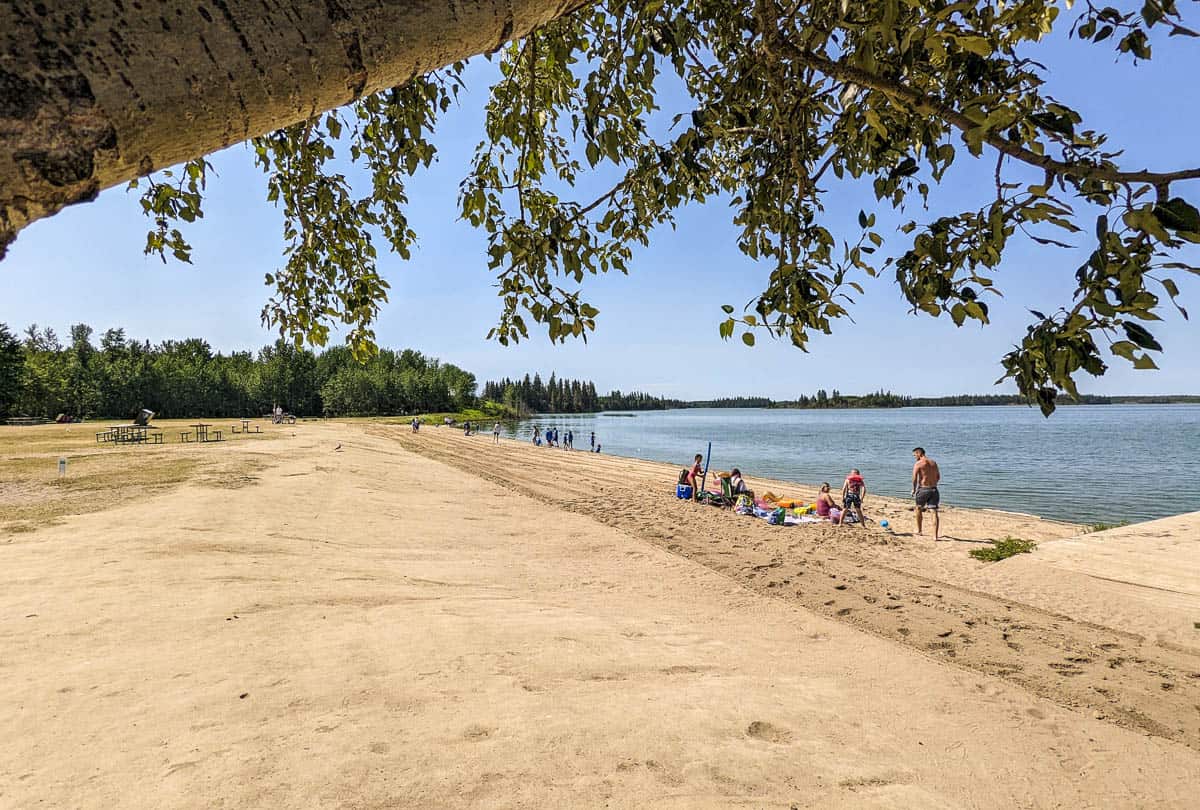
{"x": 431, "y": 620}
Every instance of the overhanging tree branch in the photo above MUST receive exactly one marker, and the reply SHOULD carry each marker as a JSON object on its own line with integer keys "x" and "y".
{"x": 920, "y": 103}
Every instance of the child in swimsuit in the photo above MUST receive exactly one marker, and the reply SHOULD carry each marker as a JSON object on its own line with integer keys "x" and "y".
{"x": 853, "y": 492}
{"x": 693, "y": 476}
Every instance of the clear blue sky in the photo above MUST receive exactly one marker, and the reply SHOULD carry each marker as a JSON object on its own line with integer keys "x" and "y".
{"x": 657, "y": 329}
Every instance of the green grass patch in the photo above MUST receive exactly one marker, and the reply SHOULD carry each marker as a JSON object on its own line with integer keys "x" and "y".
{"x": 487, "y": 411}
{"x": 1103, "y": 527}
{"x": 1003, "y": 549}
{"x": 101, "y": 476}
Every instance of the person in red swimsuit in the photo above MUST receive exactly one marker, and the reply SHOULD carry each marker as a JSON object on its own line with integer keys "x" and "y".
{"x": 854, "y": 490}
{"x": 825, "y": 502}
{"x": 693, "y": 476}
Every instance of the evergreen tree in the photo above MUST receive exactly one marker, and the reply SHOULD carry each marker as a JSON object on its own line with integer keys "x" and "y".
{"x": 12, "y": 364}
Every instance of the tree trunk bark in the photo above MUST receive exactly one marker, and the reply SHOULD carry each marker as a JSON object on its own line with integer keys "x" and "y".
{"x": 97, "y": 92}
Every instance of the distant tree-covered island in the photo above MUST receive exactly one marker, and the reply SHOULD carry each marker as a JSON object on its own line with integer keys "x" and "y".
{"x": 530, "y": 395}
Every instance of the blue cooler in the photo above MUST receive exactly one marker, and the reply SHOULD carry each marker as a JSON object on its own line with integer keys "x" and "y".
{"x": 683, "y": 491}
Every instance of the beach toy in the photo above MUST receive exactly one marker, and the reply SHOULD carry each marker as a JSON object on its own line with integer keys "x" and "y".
{"x": 883, "y": 523}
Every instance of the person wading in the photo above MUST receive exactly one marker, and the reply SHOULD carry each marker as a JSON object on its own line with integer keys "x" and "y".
{"x": 926, "y": 476}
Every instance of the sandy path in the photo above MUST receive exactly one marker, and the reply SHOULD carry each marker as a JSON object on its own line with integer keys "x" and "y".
{"x": 369, "y": 629}
{"x": 928, "y": 596}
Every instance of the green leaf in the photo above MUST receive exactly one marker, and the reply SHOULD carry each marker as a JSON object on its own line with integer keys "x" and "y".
{"x": 976, "y": 45}
{"x": 748, "y": 338}
{"x": 1178, "y": 214}
{"x": 1124, "y": 348}
{"x": 1138, "y": 334}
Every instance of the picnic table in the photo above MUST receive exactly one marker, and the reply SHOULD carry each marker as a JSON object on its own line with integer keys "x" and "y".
{"x": 129, "y": 434}
{"x": 202, "y": 430}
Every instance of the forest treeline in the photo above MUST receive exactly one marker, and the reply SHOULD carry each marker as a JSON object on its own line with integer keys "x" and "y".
{"x": 41, "y": 375}
{"x": 531, "y": 395}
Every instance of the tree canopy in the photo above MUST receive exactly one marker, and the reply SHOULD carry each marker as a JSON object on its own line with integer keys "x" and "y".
{"x": 786, "y": 99}
{"x": 186, "y": 378}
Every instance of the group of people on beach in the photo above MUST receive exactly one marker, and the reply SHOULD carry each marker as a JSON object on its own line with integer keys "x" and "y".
{"x": 925, "y": 479}
{"x": 555, "y": 438}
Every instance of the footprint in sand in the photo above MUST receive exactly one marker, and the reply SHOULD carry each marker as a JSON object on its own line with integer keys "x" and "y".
{"x": 944, "y": 647}
{"x": 761, "y": 730}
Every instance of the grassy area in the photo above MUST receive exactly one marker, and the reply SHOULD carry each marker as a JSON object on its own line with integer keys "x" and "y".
{"x": 1003, "y": 549}
{"x": 101, "y": 476}
{"x": 487, "y": 412}
{"x": 1103, "y": 527}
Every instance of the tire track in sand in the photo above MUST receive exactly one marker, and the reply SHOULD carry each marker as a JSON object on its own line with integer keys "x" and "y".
{"x": 846, "y": 576}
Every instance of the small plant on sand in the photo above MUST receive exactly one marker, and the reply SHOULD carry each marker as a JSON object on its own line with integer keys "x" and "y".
{"x": 1103, "y": 527}
{"x": 1003, "y": 549}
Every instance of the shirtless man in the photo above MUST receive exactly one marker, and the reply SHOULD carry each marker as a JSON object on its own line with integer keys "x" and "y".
{"x": 924, "y": 488}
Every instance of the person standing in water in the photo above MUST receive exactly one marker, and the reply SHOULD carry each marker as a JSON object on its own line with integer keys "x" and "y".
{"x": 926, "y": 476}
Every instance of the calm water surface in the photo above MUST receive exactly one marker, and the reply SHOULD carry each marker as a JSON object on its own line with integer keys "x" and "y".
{"x": 1086, "y": 463}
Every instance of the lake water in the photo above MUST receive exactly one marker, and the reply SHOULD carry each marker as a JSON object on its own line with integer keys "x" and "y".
{"x": 1086, "y": 463}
